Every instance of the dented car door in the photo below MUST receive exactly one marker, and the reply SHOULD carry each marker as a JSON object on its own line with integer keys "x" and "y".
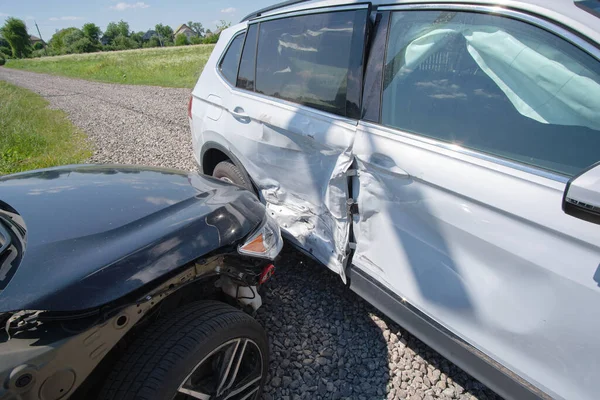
{"x": 295, "y": 119}
{"x": 462, "y": 160}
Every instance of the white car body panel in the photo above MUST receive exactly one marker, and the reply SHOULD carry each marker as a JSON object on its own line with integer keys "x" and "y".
{"x": 287, "y": 149}
{"x": 480, "y": 247}
{"x": 443, "y": 231}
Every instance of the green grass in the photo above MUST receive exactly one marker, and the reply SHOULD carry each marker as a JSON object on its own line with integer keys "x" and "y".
{"x": 34, "y": 136}
{"x": 167, "y": 66}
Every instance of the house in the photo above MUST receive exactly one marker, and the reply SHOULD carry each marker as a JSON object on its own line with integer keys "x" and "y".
{"x": 149, "y": 35}
{"x": 186, "y": 30}
{"x": 35, "y": 39}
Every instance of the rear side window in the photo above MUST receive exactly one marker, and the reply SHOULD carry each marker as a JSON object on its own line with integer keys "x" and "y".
{"x": 309, "y": 59}
{"x": 493, "y": 84}
{"x": 245, "y": 78}
{"x": 231, "y": 60}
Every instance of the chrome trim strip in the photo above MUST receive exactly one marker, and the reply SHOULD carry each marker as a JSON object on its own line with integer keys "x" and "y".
{"x": 524, "y": 16}
{"x": 468, "y": 152}
{"x": 308, "y": 11}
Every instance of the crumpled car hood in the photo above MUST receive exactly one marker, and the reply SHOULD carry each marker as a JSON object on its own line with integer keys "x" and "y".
{"x": 96, "y": 233}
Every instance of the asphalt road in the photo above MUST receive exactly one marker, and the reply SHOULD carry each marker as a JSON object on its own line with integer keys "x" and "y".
{"x": 326, "y": 342}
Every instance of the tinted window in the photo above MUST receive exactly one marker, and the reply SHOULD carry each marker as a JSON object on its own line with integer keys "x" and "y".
{"x": 229, "y": 64}
{"x": 493, "y": 84}
{"x": 246, "y": 76}
{"x": 308, "y": 59}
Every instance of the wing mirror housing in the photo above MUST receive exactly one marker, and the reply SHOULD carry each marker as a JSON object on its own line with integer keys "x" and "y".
{"x": 582, "y": 195}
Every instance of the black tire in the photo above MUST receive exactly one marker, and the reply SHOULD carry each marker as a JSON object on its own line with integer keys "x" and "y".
{"x": 165, "y": 353}
{"x": 227, "y": 171}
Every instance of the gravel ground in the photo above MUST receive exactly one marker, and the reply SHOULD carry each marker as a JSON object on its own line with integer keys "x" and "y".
{"x": 326, "y": 342}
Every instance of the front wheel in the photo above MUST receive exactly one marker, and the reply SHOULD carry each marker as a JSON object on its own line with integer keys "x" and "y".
{"x": 205, "y": 350}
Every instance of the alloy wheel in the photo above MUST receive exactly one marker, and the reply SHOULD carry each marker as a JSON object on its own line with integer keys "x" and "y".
{"x": 233, "y": 371}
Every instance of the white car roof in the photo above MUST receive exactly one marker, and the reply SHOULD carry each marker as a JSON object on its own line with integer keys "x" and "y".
{"x": 563, "y": 12}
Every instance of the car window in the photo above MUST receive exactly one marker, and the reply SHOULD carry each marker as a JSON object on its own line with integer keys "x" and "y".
{"x": 306, "y": 59}
{"x": 493, "y": 84}
{"x": 245, "y": 78}
{"x": 231, "y": 60}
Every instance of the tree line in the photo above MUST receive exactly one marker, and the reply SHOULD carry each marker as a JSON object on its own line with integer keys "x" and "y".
{"x": 15, "y": 40}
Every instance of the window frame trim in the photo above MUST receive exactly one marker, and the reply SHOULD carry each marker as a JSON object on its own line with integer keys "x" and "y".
{"x": 518, "y": 15}
{"x": 224, "y": 53}
{"x": 320, "y": 10}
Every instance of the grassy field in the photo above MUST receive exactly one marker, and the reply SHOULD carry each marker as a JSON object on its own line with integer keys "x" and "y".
{"x": 34, "y": 136}
{"x": 168, "y": 66}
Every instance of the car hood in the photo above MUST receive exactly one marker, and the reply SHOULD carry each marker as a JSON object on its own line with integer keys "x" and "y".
{"x": 96, "y": 233}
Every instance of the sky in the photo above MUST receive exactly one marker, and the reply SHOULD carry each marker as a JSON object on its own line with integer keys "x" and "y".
{"x": 52, "y": 15}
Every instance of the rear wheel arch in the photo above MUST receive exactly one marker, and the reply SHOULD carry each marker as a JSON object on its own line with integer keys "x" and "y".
{"x": 213, "y": 153}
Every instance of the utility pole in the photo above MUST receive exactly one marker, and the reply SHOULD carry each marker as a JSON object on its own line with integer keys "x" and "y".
{"x": 44, "y": 43}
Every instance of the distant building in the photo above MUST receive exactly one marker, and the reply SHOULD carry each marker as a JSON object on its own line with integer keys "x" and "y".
{"x": 35, "y": 39}
{"x": 149, "y": 35}
{"x": 186, "y": 30}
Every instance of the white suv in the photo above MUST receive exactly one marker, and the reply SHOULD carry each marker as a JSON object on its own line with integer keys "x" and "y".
{"x": 438, "y": 156}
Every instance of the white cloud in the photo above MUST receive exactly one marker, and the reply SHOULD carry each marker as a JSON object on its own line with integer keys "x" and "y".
{"x": 228, "y": 10}
{"x": 125, "y": 6}
{"x": 67, "y": 18}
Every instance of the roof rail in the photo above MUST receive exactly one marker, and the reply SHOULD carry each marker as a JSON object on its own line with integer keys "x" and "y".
{"x": 271, "y": 8}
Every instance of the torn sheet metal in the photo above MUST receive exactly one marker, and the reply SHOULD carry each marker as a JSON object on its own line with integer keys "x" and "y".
{"x": 298, "y": 158}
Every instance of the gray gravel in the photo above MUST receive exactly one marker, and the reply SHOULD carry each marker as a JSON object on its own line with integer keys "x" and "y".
{"x": 326, "y": 342}
{"x": 142, "y": 125}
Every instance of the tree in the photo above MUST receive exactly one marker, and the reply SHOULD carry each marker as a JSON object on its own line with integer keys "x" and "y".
{"x": 82, "y": 45}
{"x": 195, "y": 40}
{"x": 115, "y": 29}
{"x": 165, "y": 32}
{"x": 153, "y": 42}
{"x": 57, "y": 43}
{"x": 222, "y": 25}
{"x": 181, "y": 40}
{"x": 122, "y": 42}
{"x": 138, "y": 37}
{"x": 15, "y": 33}
{"x": 196, "y": 27}
{"x": 72, "y": 36}
{"x": 92, "y": 32}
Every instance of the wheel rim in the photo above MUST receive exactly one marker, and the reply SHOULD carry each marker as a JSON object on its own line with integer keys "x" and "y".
{"x": 233, "y": 371}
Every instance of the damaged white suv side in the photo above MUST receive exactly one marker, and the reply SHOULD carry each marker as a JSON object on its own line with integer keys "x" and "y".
{"x": 441, "y": 158}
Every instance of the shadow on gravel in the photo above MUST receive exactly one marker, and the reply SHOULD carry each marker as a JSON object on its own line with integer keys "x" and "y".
{"x": 328, "y": 343}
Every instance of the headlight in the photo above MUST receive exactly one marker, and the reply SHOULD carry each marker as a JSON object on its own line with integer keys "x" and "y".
{"x": 266, "y": 242}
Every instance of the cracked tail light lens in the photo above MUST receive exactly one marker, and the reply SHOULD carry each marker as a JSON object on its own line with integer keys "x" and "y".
{"x": 266, "y": 242}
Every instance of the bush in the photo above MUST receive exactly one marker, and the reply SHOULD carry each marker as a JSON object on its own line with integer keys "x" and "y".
{"x": 195, "y": 40}
{"x": 181, "y": 40}
{"x": 153, "y": 42}
{"x": 212, "y": 39}
{"x": 82, "y": 45}
{"x": 6, "y": 51}
{"x": 124, "y": 43}
{"x": 38, "y": 46}
{"x": 38, "y": 53}
{"x": 2, "y": 59}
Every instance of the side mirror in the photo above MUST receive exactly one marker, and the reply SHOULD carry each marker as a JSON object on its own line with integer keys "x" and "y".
{"x": 582, "y": 195}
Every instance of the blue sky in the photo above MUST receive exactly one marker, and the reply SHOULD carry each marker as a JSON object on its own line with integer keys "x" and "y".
{"x": 51, "y": 15}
